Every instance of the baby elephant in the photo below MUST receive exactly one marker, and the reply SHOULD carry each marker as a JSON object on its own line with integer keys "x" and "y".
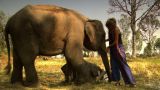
{"x": 71, "y": 75}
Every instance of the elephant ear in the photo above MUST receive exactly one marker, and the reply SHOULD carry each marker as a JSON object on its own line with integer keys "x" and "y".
{"x": 90, "y": 31}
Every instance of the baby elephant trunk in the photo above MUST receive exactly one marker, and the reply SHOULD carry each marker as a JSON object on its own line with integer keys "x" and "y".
{"x": 96, "y": 73}
{"x": 101, "y": 76}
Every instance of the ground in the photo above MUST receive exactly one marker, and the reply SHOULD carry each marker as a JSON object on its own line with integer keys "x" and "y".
{"x": 146, "y": 72}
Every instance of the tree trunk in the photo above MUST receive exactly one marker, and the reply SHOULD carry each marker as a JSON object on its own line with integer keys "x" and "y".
{"x": 133, "y": 41}
{"x": 133, "y": 26}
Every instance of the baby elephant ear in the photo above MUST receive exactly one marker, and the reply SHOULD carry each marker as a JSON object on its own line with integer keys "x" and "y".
{"x": 89, "y": 30}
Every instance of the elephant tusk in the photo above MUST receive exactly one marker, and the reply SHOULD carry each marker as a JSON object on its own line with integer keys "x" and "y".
{"x": 100, "y": 76}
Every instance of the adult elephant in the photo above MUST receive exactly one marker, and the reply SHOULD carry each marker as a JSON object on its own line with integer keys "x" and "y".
{"x": 51, "y": 30}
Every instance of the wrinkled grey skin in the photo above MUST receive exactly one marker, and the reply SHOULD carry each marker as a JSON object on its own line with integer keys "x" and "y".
{"x": 71, "y": 74}
{"x": 51, "y": 30}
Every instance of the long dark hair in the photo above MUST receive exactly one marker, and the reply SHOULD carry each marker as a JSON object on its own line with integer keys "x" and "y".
{"x": 111, "y": 22}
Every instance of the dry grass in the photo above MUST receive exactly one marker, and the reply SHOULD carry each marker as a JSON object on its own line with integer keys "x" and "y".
{"x": 146, "y": 72}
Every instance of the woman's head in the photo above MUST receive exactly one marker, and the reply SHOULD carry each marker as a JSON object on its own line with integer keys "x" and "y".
{"x": 111, "y": 23}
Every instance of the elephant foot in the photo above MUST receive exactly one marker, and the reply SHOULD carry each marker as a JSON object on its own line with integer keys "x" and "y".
{"x": 16, "y": 77}
{"x": 15, "y": 80}
{"x": 18, "y": 83}
{"x": 31, "y": 84}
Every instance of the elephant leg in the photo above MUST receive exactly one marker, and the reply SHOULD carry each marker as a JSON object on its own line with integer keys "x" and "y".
{"x": 67, "y": 72}
{"x": 73, "y": 53}
{"x": 28, "y": 59}
{"x": 64, "y": 69}
{"x": 70, "y": 74}
{"x": 30, "y": 72}
{"x": 17, "y": 69}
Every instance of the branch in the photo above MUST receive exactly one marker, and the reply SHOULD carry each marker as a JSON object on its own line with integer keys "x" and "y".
{"x": 122, "y": 7}
{"x": 143, "y": 35}
{"x": 140, "y": 3}
{"x": 112, "y": 11}
{"x": 129, "y": 2}
{"x": 147, "y": 11}
{"x": 127, "y": 7}
{"x": 118, "y": 4}
{"x": 156, "y": 10}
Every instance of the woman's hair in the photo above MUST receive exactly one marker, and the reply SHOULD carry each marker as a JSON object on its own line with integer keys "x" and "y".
{"x": 111, "y": 22}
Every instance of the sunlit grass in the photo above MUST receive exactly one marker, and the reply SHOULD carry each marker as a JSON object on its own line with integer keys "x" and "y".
{"x": 145, "y": 70}
{"x": 50, "y": 62}
{"x": 148, "y": 67}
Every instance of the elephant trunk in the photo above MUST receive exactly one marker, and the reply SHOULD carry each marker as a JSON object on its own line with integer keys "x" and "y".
{"x": 103, "y": 53}
{"x": 100, "y": 77}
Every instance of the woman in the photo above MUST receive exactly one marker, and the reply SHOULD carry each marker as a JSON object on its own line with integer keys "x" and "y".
{"x": 117, "y": 55}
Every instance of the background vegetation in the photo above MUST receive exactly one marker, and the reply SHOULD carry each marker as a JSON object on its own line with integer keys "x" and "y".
{"x": 141, "y": 13}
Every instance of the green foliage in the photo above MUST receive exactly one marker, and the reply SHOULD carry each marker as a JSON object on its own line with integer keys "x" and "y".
{"x": 132, "y": 8}
{"x": 148, "y": 27}
{"x": 139, "y": 41}
{"x": 2, "y": 25}
{"x": 157, "y": 44}
{"x": 148, "y": 49}
{"x": 2, "y": 16}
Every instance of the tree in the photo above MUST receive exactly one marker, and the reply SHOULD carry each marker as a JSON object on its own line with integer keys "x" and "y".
{"x": 148, "y": 27}
{"x": 2, "y": 20}
{"x": 157, "y": 44}
{"x": 139, "y": 41}
{"x": 2, "y": 24}
{"x": 124, "y": 25}
{"x": 147, "y": 50}
{"x": 131, "y": 8}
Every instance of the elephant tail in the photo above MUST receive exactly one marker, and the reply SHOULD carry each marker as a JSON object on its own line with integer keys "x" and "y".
{"x": 8, "y": 67}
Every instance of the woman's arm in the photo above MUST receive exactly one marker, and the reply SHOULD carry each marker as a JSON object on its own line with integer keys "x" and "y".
{"x": 116, "y": 33}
